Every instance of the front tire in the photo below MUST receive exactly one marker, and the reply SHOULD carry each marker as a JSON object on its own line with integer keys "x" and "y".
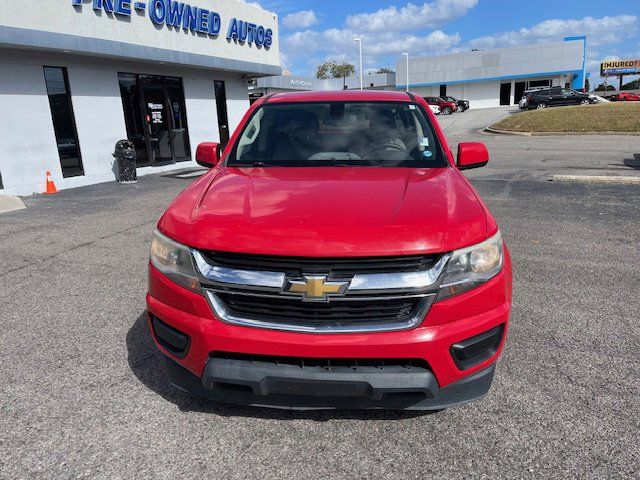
{"x": 585, "y": 102}
{"x": 446, "y": 111}
{"x": 541, "y": 105}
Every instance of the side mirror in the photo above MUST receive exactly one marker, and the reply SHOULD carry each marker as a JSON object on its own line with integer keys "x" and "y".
{"x": 472, "y": 155}
{"x": 208, "y": 154}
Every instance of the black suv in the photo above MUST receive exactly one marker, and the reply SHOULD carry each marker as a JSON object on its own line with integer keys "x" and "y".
{"x": 462, "y": 104}
{"x": 556, "y": 97}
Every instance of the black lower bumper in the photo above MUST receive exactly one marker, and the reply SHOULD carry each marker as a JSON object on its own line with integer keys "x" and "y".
{"x": 290, "y": 387}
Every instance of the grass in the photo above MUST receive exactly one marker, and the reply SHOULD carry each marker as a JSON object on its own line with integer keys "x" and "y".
{"x": 603, "y": 117}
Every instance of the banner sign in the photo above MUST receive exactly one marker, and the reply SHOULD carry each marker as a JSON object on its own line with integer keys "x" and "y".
{"x": 612, "y": 68}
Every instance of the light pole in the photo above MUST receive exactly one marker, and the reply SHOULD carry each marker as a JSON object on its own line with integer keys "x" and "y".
{"x": 407, "y": 55}
{"x": 359, "y": 40}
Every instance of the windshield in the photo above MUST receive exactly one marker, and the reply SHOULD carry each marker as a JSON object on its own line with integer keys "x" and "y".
{"x": 338, "y": 134}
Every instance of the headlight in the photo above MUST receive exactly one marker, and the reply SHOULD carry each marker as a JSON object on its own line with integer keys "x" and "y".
{"x": 471, "y": 266}
{"x": 174, "y": 261}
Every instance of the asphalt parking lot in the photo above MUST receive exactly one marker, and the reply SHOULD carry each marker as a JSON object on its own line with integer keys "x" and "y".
{"x": 84, "y": 394}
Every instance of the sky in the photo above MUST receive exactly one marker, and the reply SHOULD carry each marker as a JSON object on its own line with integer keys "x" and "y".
{"x": 312, "y": 31}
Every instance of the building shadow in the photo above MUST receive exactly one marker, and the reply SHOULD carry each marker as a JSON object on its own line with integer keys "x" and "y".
{"x": 147, "y": 364}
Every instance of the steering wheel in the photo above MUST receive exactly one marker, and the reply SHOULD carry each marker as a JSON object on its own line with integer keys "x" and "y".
{"x": 387, "y": 146}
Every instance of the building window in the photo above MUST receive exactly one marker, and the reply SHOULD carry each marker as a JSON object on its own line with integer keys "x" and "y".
{"x": 539, "y": 83}
{"x": 64, "y": 123}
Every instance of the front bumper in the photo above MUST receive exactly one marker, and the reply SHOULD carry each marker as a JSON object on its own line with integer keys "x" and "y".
{"x": 445, "y": 383}
{"x": 291, "y": 388}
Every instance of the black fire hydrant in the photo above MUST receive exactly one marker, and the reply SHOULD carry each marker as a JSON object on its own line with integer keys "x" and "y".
{"x": 125, "y": 155}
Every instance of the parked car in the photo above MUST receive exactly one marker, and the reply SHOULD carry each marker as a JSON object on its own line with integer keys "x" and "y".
{"x": 462, "y": 104}
{"x": 435, "y": 109}
{"x": 625, "y": 97}
{"x": 348, "y": 265}
{"x": 446, "y": 107}
{"x": 523, "y": 101}
{"x": 557, "y": 96}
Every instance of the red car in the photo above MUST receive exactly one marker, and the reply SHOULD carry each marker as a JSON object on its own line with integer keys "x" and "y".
{"x": 626, "y": 97}
{"x": 447, "y": 107}
{"x": 334, "y": 257}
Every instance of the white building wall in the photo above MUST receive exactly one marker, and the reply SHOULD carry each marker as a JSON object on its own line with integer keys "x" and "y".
{"x": 456, "y": 91}
{"x": 97, "y": 105}
{"x": 515, "y": 62}
{"x": 202, "y": 113}
{"x": 202, "y": 118}
{"x": 237, "y": 102}
{"x": 483, "y": 94}
{"x": 27, "y": 140}
{"x": 28, "y": 144}
{"x": 426, "y": 91}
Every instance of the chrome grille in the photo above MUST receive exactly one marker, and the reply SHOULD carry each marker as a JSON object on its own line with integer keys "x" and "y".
{"x": 321, "y": 314}
{"x": 390, "y": 293}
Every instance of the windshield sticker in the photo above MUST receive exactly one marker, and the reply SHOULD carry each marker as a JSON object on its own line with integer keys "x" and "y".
{"x": 427, "y": 153}
{"x": 412, "y": 107}
{"x": 424, "y": 142}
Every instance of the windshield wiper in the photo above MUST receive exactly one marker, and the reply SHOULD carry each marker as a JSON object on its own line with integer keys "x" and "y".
{"x": 248, "y": 164}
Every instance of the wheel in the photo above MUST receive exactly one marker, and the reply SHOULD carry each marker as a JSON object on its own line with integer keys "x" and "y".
{"x": 446, "y": 110}
{"x": 541, "y": 105}
{"x": 585, "y": 102}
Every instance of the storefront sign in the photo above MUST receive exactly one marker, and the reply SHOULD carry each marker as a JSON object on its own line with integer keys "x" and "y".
{"x": 612, "y": 68}
{"x": 301, "y": 83}
{"x": 182, "y": 15}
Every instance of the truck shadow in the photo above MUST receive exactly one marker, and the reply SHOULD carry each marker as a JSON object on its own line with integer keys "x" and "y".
{"x": 147, "y": 364}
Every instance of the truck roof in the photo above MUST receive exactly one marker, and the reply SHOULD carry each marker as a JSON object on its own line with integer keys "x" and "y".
{"x": 341, "y": 96}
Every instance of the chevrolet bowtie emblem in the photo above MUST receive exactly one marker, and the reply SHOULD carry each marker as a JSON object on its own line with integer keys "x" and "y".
{"x": 315, "y": 288}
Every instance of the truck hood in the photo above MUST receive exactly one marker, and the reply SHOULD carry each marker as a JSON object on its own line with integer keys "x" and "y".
{"x": 328, "y": 211}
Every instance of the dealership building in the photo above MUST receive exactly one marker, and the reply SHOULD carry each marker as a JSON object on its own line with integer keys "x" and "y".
{"x": 490, "y": 78}
{"x": 76, "y": 76}
{"x": 289, "y": 83}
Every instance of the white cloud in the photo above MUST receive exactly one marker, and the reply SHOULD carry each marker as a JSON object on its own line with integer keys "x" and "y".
{"x": 337, "y": 44}
{"x": 253, "y": 4}
{"x": 410, "y": 16}
{"x": 301, "y": 19}
{"x": 599, "y": 31}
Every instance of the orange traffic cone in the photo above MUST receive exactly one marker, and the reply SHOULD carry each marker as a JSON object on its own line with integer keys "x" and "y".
{"x": 51, "y": 187}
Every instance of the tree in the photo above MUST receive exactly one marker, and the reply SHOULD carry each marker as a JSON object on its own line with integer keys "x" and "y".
{"x": 325, "y": 70}
{"x": 385, "y": 70}
{"x": 333, "y": 69}
{"x": 634, "y": 85}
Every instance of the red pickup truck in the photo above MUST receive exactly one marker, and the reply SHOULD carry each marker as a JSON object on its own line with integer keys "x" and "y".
{"x": 334, "y": 257}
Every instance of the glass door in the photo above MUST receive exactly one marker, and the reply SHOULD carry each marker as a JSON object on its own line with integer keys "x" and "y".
{"x": 133, "y": 116}
{"x": 157, "y": 118}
